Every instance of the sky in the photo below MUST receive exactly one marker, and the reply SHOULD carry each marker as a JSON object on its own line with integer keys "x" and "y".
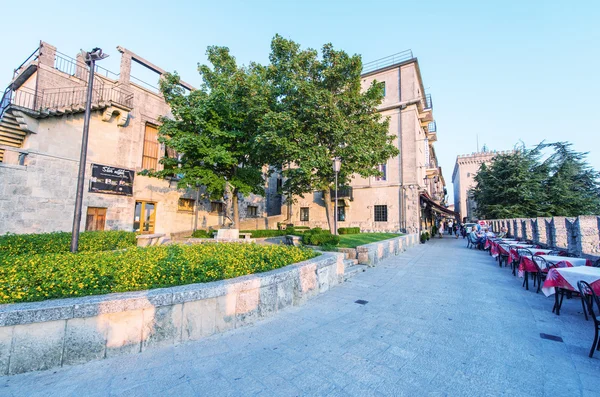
{"x": 500, "y": 72}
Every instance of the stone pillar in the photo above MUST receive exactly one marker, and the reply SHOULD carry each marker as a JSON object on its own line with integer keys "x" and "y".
{"x": 541, "y": 231}
{"x": 125, "y": 69}
{"x": 589, "y": 237}
{"x": 560, "y": 232}
{"x": 524, "y": 232}
{"x": 573, "y": 236}
{"x": 550, "y": 232}
{"x": 81, "y": 69}
{"x": 535, "y": 234}
{"x": 47, "y": 54}
{"x": 516, "y": 228}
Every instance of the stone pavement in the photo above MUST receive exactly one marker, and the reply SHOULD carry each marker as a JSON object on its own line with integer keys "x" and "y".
{"x": 440, "y": 320}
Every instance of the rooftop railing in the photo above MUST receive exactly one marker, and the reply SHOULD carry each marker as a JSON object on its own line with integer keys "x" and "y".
{"x": 390, "y": 60}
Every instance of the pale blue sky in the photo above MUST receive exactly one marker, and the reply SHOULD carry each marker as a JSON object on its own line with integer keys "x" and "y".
{"x": 504, "y": 70}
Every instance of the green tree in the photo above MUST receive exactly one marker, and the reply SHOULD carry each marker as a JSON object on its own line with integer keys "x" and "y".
{"x": 214, "y": 129}
{"x": 319, "y": 112}
{"x": 532, "y": 183}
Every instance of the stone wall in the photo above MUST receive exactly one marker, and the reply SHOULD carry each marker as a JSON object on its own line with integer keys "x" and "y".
{"x": 372, "y": 254}
{"x": 580, "y": 235}
{"x": 42, "y": 335}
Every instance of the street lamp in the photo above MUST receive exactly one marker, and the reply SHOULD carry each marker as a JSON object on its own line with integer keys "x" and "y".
{"x": 90, "y": 59}
{"x": 337, "y": 163}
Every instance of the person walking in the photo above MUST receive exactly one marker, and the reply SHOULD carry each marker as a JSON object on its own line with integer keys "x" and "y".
{"x": 450, "y": 227}
{"x": 441, "y": 229}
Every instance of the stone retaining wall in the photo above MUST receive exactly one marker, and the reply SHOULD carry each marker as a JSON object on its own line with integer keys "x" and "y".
{"x": 42, "y": 335}
{"x": 580, "y": 235}
{"x": 371, "y": 254}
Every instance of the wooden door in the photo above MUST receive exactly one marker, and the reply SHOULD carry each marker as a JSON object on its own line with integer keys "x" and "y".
{"x": 96, "y": 218}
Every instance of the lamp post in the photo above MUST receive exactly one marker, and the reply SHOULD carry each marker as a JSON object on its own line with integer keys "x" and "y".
{"x": 90, "y": 59}
{"x": 337, "y": 163}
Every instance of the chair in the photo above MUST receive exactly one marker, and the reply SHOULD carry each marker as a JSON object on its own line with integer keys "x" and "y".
{"x": 543, "y": 267}
{"x": 588, "y": 298}
{"x": 471, "y": 243}
{"x": 521, "y": 252}
{"x": 502, "y": 257}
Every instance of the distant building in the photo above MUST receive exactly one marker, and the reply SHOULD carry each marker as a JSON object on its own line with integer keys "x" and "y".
{"x": 465, "y": 169}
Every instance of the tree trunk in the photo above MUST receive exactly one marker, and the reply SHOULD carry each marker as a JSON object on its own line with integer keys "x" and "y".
{"x": 328, "y": 211}
{"x": 236, "y": 209}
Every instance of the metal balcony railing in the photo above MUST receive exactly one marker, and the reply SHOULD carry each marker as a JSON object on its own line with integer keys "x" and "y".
{"x": 344, "y": 192}
{"x": 432, "y": 127}
{"x": 427, "y": 102}
{"x": 387, "y": 61}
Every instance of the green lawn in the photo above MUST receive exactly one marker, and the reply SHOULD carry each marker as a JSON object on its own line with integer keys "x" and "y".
{"x": 354, "y": 240}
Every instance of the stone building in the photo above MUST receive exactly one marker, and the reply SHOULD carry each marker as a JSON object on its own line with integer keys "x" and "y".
{"x": 41, "y": 123}
{"x": 465, "y": 169}
{"x": 411, "y": 194}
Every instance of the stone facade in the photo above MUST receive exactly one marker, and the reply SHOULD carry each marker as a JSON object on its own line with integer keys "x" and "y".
{"x": 463, "y": 180}
{"x": 39, "y": 177}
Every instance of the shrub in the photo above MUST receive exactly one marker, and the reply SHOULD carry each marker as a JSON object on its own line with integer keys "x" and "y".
{"x": 427, "y": 236}
{"x": 349, "y": 230}
{"x": 28, "y": 278}
{"x": 60, "y": 242}
{"x": 202, "y": 234}
{"x": 266, "y": 233}
{"x": 423, "y": 238}
{"x": 301, "y": 227}
{"x": 318, "y": 236}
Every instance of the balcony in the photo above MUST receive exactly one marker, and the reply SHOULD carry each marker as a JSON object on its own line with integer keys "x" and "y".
{"x": 432, "y": 131}
{"x": 427, "y": 102}
{"x": 390, "y": 60}
{"x": 344, "y": 192}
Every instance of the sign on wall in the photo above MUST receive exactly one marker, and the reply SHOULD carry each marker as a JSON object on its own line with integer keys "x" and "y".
{"x": 111, "y": 180}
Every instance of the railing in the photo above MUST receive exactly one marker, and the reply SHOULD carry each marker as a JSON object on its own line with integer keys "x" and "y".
{"x": 390, "y": 60}
{"x": 432, "y": 127}
{"x": 34, "y": 55}
{"x": 343, "y": 192}
{"x": 73, "y": 67}
{"x": 55, "y": 99}
{"x": 428, "y": 102}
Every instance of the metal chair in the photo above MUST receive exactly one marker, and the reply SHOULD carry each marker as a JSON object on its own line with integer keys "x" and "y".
{"x": 588, "y": 298}
{"x": 543, "y": 267}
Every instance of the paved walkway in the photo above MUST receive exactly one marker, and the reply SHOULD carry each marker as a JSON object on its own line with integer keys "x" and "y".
{"x": 440, "y": 320}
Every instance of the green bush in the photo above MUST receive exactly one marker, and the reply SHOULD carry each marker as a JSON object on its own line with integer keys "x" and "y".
{"x": 202, "y": 234}
{"x": 423, "y": 238}
{"x": 318, "y": 236}
{"x": 301, "y": 228}
{"x": 60, "y": 242}
{"x": 349, "y": 230}
{"x": 265, "y": 233}
{"x": 28, "y": 278}
{"x": 427, "y": 235}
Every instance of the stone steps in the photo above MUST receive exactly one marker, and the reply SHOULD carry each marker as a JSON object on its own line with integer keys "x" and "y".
{"x": 351, "y": 268}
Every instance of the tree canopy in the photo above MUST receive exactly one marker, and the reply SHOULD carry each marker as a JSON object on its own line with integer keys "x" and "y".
{"x": 532, "y": 183}
{"x": 295, "y": 114}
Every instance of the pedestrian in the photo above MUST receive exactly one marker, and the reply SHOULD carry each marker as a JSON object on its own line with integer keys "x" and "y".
{"x": 450, "y": 227}
{"x": 441, "y": 229}
{"x": 456, "y": 229}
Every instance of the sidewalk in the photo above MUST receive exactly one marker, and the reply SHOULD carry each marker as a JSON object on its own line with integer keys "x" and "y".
{"x": 440, "y": 320}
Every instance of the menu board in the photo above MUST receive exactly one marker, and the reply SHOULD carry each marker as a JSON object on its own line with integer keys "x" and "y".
{"x": 111, "y": 180}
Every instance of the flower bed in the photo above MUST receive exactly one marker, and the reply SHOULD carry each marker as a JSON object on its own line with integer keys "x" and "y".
{"x": 60, "y": 242}
{"x": 35, "y": 277}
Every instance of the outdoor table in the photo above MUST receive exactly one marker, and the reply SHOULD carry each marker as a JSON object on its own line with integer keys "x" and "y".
{"x": 566, "y": 278}
{"x": 527, "y": 265}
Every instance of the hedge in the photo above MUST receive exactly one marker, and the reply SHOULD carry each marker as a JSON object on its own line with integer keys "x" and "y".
{"x": 349, "y": 230}
{"x": 202, "y": 234}
{"x": 28, "y": 278}
{"x": 265, "y": 233}
{"x": 60, "y": 242}
{"x": 318, "y": 236}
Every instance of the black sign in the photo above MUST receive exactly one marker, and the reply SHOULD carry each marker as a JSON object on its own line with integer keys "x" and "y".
{"x": 111, "y": 180}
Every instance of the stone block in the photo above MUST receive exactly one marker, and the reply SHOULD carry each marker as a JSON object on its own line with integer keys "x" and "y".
{"x": 267, "y": 305}
{"x": 6, "y": 334}
{"x": 225, "y": 311}
{"x": 123, "y": 332}
{"x": 36, "y": 346}
{"x": 323, "y": 279}
{"x": 199, "y": 319}
{"x": 285, "y": 293}
{"x": 162, "y": 326}
{"x": 85, "y": 340}
{"x": 246, "y": 309}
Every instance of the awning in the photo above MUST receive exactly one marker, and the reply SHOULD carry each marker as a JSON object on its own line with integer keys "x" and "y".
{"x": 436, "y": 207}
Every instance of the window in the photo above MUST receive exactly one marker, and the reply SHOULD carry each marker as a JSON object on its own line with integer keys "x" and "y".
{"x": 95, "y": 219}
{"x": 252, "y": 211}
{"x": 150, "y": 155}
{"x": 383, "y": 169}
{"x": 381, "y": 213}
{"x": 383, "y": 89}
{"x": 185, "y": 205}
{"x": 279, "y": 184}
{"x": 341, "y": 212}
{"x": 304, "y": 214}
{"x": 216, "y": 206}
{"x": 144, "y": 217}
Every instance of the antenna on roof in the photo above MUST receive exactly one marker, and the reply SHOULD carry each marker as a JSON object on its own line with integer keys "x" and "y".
{"x": 477, "y": 135}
